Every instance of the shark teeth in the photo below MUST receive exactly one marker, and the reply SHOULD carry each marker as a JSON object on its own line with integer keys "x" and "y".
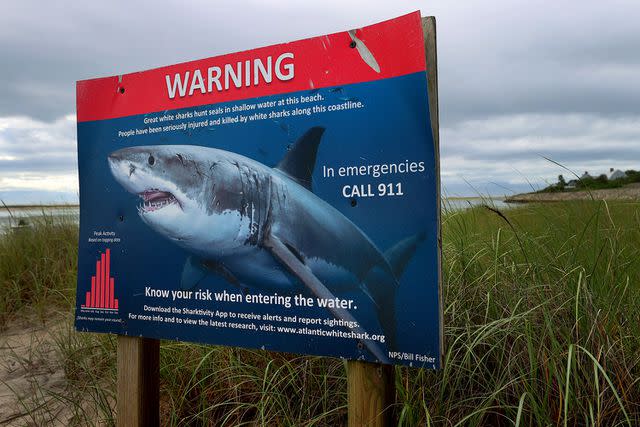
{"x": 154, "y": 200}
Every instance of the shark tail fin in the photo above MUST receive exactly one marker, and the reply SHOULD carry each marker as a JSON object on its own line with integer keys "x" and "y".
{"x": 401, "y": 253}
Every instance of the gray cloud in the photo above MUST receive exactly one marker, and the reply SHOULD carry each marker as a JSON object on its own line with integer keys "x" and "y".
{"x": 503, "y": 57}
{"x": 511, "y": 149}
{"x": 496, "y": 58}
{"x": 517, "y": 79}
{"x": 32, "y": 149}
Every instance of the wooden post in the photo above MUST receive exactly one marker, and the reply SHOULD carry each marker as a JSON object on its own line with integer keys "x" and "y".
{"x": 370, "y": 386}
{"x": 371, "y": 393}
{"x": 431, "y": 52}
{"x": 138, "y": 382}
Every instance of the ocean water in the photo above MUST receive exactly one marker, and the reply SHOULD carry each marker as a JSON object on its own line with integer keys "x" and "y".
{"x": 24, "y": 216}
{"x": 458, "y": 203}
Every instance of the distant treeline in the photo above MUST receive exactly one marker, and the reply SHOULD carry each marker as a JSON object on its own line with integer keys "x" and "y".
{"x": 592, "y": 183}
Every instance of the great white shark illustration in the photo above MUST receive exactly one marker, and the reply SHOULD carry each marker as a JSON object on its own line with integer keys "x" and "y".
{"x": 262, "y": 227}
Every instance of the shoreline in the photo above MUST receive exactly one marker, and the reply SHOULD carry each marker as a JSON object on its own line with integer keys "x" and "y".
{"x": 627, "y": 193}
{"x": 35, "y": 206}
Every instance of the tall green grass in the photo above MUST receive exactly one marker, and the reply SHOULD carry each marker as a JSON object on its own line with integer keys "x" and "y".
{"x": 542, "y": 312}
{"x": 542, "y": 327}
{"x": 38, "y": 265}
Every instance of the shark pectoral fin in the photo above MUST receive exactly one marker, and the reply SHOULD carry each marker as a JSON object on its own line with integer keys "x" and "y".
{"x": 222, "y": 270}
{"x": 297, "y": 267}
{"x": 192, "y": 273}
{"x": 365, "y": 290}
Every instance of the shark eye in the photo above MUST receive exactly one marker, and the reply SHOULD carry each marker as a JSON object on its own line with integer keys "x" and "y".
{"x": 152, "y": 160}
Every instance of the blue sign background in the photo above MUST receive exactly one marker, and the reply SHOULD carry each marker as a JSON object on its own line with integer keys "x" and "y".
{"x": 392, "y": 127}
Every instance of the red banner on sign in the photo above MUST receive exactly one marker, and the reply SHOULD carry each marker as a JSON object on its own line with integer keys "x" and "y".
{"x": 379, "y": 51}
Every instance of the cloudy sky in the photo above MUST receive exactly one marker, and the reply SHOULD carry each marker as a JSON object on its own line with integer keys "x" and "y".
{"x": 519, "y": 80}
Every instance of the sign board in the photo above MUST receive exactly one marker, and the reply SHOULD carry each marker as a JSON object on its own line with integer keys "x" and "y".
{"x": 283, "y": 198}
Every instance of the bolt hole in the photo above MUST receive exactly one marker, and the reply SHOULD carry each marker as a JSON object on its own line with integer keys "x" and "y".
{"x": 360, "y": 345}
{"x": 121, "y": 218}
{"x": 121, "y": 90}
{"x": 352, "y": 44}
{"x": 354, "y": 203}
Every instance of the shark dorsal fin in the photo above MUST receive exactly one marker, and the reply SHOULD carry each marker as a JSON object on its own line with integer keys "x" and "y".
{"x": 300, "y": 160}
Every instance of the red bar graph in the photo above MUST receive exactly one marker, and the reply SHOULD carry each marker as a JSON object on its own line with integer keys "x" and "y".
{"x": 101, "y": 295}
{"x": 100, "y": 274}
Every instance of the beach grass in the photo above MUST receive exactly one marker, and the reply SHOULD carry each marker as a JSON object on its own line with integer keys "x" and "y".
{"x": 38, "y": 264}
{"x": 542, "y": 327}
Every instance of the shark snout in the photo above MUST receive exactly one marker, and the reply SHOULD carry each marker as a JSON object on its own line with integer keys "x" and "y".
{"x": 119, "y": 156}
{"x": 115, "y": 163}
{"x": 115, "y": 159}
{"x": 119, "y": 165}
{"x": 123, "y": 169}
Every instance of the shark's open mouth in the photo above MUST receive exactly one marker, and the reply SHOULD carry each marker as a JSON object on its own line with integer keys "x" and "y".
{"x": 154, "y": 200}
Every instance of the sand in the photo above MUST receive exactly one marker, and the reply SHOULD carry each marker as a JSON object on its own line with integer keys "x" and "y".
{"x": 31, "y": 375}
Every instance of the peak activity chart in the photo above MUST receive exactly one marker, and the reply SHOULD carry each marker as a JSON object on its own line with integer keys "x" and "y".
{"x": 101, "y": 295}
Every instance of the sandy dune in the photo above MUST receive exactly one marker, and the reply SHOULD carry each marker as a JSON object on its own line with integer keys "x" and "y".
{"x": 30, "y": 374}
